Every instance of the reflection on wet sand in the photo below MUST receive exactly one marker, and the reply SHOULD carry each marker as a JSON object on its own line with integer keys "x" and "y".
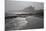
{"x": 20, "y": 23}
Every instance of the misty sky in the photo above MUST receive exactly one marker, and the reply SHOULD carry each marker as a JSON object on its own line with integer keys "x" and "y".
{"x": 20, "y": 5}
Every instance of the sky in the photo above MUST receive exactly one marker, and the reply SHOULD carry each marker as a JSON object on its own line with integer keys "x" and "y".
{"x": 20, "y": 5}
